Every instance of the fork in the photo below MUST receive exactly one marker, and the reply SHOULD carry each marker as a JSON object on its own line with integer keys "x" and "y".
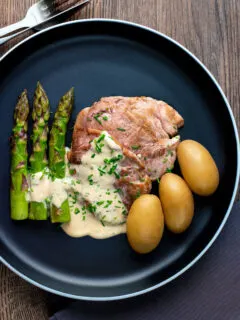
{"x": 36, "y": 14}
{"x": 52, "y": 17}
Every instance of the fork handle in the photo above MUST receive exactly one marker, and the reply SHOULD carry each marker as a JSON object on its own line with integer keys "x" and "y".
{"x": 5, "y": 39}
{"x": 14, "y": 27}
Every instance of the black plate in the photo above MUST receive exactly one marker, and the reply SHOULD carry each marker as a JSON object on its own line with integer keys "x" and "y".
{"x": 102, "y": 58}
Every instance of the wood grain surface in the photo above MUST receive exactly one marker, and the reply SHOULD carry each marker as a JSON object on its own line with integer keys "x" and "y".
{"x": 208, "y": 28}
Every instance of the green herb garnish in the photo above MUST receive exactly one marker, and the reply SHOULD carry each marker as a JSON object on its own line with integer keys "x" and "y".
{"x": 135, "y": 147}
{"x": 170, "y": 153}
{"x": 72, "y": 171}
{"x": 96, "y": 117}
{"x": 121, "y": 129}
{"x": 101, "y": 171}
{"x": 117, "y": 175}
{"x": 138, "y": 194}
{"x": 109, "y": 202}
{"x": 101, "y": 138}
{"x": 91, "y": 208}
{"x": 90, "y": 179}
{"x": 124, "y": 212}
{"x": 76, "y": 211}
{"x": 112, "y": 169}
{"x": 74, "y": 197}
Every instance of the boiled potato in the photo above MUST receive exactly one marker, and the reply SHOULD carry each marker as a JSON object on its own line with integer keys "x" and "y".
{"x": 177, "y": 202}
{"x": 145, "y": 223}
{"x": 198, "y": 167}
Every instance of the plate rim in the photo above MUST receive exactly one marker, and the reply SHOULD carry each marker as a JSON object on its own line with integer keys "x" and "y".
{"x": 215, "y": 236}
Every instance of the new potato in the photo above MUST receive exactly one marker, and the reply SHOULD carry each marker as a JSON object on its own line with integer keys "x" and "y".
{"x": 145, "y": 223}
{"x": 198, "y": 167}
{"x": 177, "y": 202}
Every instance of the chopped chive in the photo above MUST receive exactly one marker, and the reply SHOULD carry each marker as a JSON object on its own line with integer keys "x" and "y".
{"x": 93, "y": 155}
{"x": 78, "y": 181}
{"x": 138, "y": 194}
{"x": 124, "y": 212}
{"x": 72, "y": 171}
{"x": 107, "y": 161}
{"x": 105, "y": 118}
{"x": 90, "y": 179}
{"x": 112, "y": 169}
{"x": 101, "y": 138}
{"x": 76, "y": 211}
{"x": 168, "y": 170}
{"x": 101, "y": 171}
{"x": 135, "y": 147}
{"x": 98, "y": 149}
{"x": 109, "y": 202}
{"x": 117, "y": 175}
{"x": 91, "y": 208}
{"x": 96, "y": 117}
{"x": 99, "y": 203}
{"x": 121, "y": 129}
{"x": 114, "y": 159}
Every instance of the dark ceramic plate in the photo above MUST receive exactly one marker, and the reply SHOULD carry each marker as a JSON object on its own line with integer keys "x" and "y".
{"x": 102, "y": 58}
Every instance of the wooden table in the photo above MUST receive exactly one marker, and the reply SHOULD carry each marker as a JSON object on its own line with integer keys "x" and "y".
{"x": 208, "y": 28}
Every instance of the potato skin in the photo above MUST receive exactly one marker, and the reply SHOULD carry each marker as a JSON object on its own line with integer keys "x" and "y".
{"x": 198, "y": 167}
{"x": 145, "y": 223}
{"x": 177, "y": 202}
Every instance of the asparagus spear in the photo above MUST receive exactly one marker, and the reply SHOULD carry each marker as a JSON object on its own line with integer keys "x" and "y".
{"x": 19, "y": 183}
{"x": 38, "y": 159}
{"x": 57, "y": 152}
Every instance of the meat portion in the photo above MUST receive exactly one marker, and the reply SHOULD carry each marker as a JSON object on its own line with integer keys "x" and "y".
{"x": 142, "y": 126}
{"x": 133, "y": 180}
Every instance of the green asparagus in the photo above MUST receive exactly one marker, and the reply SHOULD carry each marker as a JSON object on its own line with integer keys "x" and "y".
{"x": 38, "y": 159}
{"x": 19, "y": 183}
{"x": 57, "y": 152}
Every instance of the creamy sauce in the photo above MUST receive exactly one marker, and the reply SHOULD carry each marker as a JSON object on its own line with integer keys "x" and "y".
{"x": 90, "y": 226}
{"x": 96, "y": 207}
{"x": 43, "y": 188}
